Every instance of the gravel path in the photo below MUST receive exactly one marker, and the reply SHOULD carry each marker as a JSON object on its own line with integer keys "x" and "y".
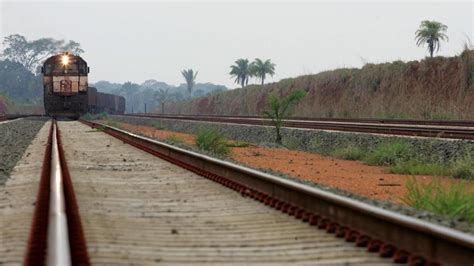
{"x": 15, "y": 136}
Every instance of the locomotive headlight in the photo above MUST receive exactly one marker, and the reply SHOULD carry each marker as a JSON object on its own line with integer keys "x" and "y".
{"x": 65, "y": 60}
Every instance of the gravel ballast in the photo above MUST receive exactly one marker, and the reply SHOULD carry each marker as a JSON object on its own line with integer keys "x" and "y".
{"x": 434, "y": 150}
{"x": 15, "y": 136}
{"x": 263, "y": 135}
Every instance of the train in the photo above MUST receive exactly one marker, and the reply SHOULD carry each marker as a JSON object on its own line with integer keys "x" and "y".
{"x": 66, "y": 91}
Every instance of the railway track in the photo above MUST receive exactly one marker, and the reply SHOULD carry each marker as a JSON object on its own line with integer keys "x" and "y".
{"x": 136, "y": 208}
{"x": 418, "y": 128}
{"x": 403, "y": 238}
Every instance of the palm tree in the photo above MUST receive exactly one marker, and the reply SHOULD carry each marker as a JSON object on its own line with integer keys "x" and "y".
{"x": 261, "y": 68}
{"x": 241, "y": 71}
{"x": 431, "y": 32}
{"x": 189, "y": 76}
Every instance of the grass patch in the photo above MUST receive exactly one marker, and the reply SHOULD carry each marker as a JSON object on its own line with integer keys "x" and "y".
{"x": 463, "y": 168}
{"x": 292, "y": 143}
{"x": 213, "y": 141}
{"x": 453, "y": 201}
{"x": 388, "y": 154}
{"x": 414, "y": 167}
{"x": 99, "y": 116}
{"x": 348, "y": 153}
{"x": 175, "y": 139}
{"x": 157, "y": 125}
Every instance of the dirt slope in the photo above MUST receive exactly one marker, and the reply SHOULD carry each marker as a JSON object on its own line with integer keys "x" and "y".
{"x": 434, "y": 88}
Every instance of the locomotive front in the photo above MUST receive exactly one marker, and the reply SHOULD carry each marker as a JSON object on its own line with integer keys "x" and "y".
{"x": 65, "y": 85}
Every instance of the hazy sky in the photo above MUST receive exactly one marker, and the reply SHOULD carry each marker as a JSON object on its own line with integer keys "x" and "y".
{"x": 135, "y": 41}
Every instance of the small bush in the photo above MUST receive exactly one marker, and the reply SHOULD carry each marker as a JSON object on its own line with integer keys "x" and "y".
{"x": 211, "y": 140}
{"x": 175, "y": 139}
{"x": 99, "y": 116}
{"x": 292, "y": 143}
{"x": 111, "y": 123}
{"x": 463, "y": 168}
{"x": 453, "y": 201}
{"x": 414, "y": 167}
{"x": 157, "y": 125}
{"x": 390, "y": 154}
{"x": 348, "y": 153}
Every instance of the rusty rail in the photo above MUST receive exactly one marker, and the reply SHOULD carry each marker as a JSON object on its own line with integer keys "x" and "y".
{"x": 419, "y": 128}
{"x": 456, "y": 123}
{"x": 56, "y": 236}
{"x": 405, "y": 239}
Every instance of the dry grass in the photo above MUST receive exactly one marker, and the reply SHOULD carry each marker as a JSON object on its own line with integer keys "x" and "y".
{"x": 434, "y": 88}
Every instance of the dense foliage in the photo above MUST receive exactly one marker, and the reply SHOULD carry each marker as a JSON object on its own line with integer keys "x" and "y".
{"x": 19, "y": 84}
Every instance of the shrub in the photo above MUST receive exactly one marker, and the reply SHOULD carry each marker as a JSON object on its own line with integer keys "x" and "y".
{"x": 453, "y": 201}
{"x": 175, "y": 139}
{"x": 463, "y": 168}
{"x": 99, "y": 116}
{"x": 211, "y": 140}
{"x": 390, "y": 154}
{"x": 348, "y": 153}
{"x": 292, "y": 143}
{"x": 157, "y": 125}
{"x": 414, "y": 167}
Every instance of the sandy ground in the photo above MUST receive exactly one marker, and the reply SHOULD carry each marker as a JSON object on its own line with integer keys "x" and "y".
{"x": 354, "y": 176}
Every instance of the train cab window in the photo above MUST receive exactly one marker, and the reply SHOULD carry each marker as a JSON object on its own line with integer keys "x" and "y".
{"x": 48, "y": 69}
{"x": 83, "y": 69}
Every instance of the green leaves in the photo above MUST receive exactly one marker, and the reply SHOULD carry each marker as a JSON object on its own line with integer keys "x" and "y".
{"x": 189, "y": 76}
{"x": 452, "y": 200}
{"x": 431, "y": 32}
{"x": 31, "y": 53}
{"x": 278, "y": 109}
{"x": 243, "y": 70}
{"x": 260, "y": 69}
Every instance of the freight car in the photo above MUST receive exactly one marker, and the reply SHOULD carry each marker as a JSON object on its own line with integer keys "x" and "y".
{"x": 66, "y": 90}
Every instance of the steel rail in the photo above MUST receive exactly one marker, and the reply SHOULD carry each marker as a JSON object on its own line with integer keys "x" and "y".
{"x": 381, "y": 128}
{"x": 457, "y": 123}
{"x": 56, "y": 236}
{"x": 404, "y": 238}
{"x": 58, "y": 251}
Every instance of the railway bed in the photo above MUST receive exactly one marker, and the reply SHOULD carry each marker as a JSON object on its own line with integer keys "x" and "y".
{"x": 415, "y": 128}
{"x": 137, "y": 208}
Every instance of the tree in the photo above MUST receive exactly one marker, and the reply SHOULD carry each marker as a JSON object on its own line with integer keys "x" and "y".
{"x": 431, "y": 32}
{"x": 19, "y": 84}
{"x": 31, "y": 53}
{"x": 189, "y": 76}
{"x": 279, "y": 108}
{"x": 260, "y": 69}
{"x": 162, "y": 96}
{"x": 131, "y": 92}
{"x": 241, "y": 71}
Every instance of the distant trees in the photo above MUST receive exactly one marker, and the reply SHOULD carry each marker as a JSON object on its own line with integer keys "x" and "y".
{"x": 261, "y": 69}
{"x": 31, "y": 53}
{"x": 242, "y": 70}
{"x": 279, "y": 108}
{"x": 431, "y": 32}
{"x": 162, "y": 95}
{"x": 19, "y": 84}
{"x": 189, "y": 76}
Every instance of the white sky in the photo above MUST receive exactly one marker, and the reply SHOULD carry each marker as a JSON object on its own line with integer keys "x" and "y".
{"x": 135, "y": 41}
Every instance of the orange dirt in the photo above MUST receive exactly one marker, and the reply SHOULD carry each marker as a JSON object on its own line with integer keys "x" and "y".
{"x": 353, "y": 176}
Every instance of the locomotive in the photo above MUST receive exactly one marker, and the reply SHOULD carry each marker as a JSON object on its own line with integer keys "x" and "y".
{"x": 66, "y": 91}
